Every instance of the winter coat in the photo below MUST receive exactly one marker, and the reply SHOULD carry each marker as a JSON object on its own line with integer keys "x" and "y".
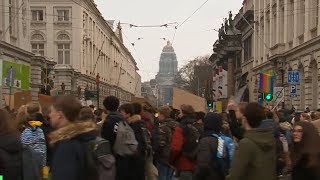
{"x": 316, "y": 123}
{"x": 300, "y": 171}
{"x": 256, "y": 157}
{"x": 33, "y": 137}
{"x": 110, "y": 125}
{"x": 161, "y": 139}
{"x": 137, "y": 162}
{"x": 70, "y": 158}
{"x": 10, "y": 157}
{"x": 206, "y": 169}
{"x": 177, "y": 159}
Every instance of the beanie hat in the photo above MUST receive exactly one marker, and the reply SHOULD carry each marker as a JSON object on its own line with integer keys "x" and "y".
{"x": 213, "y": 122}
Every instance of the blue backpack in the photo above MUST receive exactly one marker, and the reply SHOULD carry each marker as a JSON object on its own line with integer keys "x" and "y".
{"x": 222, "y": 160}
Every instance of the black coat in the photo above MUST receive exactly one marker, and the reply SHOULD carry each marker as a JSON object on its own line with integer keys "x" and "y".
{"x": 205, "y": 169}
{"x": 109, "y": 127}
{"x": 10, "y": 157}
{"x": 70, "y": 153}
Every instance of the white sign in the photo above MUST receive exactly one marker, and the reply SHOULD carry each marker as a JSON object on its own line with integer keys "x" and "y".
{"x": 278, "y": 94}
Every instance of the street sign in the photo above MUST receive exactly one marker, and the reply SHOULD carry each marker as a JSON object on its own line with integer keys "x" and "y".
{"x": 293, "y": 77}
{"x": 278, "y": 94}
{"x": 293, "y": 91}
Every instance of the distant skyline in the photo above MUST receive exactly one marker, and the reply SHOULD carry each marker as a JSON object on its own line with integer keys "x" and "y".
{"x": 194, "y": 38}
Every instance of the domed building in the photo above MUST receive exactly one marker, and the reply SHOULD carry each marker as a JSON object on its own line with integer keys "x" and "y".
{"x": 168, "y": 68}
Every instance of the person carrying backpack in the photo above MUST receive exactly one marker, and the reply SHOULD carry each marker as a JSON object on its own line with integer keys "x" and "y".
{"x": 135, "y": 163}
{"x": 150, "y": 170}
{"x": 184, "y": 144}
{"x": 70, "y": 139}
{"x": 209, "y": 166}
{"x": 32, "y": 135}
{"x": 161, "y": 143}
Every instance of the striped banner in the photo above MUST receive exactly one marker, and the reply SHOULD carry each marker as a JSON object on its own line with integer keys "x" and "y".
{"x": 266, "y": 83}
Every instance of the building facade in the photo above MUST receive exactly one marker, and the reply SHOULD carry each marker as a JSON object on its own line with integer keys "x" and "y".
{"x": 85, "y": 47}
{"x": 168, "y": 68}
{"x": 286, "y": 38}
{"x": 23, "y": 72}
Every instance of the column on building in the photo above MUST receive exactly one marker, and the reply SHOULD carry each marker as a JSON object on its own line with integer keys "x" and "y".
{"x": 265, "y": 32}
{"x": 307, "y": 19}
{"x": 231, "y": 78}
{"x": 296, "y": 22}
{"x": 35, "y": 76}
{"x": 308, "y": 81}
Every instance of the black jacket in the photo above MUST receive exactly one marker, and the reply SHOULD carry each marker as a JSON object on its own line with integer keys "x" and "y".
{"x": 301, "y": 171}
{"x": 137, "y": 162}
{"x": 206, "y": 170}
{"x": 70, "y": 158}
{"x": 110, "y": 125}
{"x": 10, "y": 157}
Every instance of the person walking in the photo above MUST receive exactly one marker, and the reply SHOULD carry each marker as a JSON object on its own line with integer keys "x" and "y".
{"x": 136, "y": 162}
{"x": 161, "y": 143}
{"x": 207, "y": 166}
{"x": 10, "y": 149}
{"x": 305, "y": 152}
{"x": 70, "y": 153}
{"x": 256, "y": 157}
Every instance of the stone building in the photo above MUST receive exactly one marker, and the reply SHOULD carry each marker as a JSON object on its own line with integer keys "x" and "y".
{"x": 168, "y": 68}
{"x": 286, "y": 37}
{"x": 226, "y": 59}
{"x": 22, "y": 70}
{"x": 85, "y": 46}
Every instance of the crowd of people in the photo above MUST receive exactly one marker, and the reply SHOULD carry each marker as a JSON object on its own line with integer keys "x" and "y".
{"x": 127, "y": 141}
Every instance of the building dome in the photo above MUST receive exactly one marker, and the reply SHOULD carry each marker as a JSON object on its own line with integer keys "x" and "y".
{"x": 168, "y": 47}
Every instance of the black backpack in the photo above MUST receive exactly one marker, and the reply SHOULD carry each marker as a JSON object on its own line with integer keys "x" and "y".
{"x": 192, "y": 138}
{"x": 100, "y": 161}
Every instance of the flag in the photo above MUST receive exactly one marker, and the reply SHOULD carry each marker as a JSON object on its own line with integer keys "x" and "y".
{"x": 266, "y": 83}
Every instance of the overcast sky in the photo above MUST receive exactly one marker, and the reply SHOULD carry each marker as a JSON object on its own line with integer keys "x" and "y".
{"x": 194, "y": 38}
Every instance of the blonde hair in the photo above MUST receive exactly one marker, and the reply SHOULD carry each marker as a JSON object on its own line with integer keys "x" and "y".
{"x": 25, "y": 113}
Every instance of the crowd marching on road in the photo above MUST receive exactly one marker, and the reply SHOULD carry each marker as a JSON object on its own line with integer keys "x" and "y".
{"x": 71, "y": 142}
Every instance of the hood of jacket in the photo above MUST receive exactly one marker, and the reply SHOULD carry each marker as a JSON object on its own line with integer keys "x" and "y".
{"x": 262, "y": 137}
{"x": 269, "y": 123}
{"x": 80, "y": 130}
{"x": 134, "y": 118}
{"x": 10, "y": 143}
{"x": 188, "y": 119}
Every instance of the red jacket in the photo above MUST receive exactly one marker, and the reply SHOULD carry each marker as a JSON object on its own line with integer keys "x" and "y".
{"x": 179, "y": 161}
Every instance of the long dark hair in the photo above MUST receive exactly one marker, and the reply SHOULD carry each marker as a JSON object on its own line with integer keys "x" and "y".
{"x": 309, "y": 147}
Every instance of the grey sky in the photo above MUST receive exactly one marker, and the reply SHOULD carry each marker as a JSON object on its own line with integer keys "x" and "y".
{"x": 194, "y": 38}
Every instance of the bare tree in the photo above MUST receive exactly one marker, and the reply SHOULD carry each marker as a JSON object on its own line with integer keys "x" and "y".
{"x": 192, "y": 76}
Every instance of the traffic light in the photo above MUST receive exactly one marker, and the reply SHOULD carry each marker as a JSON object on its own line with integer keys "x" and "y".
{"x": 268, "y": 96}
{"x": 209, "y": 103}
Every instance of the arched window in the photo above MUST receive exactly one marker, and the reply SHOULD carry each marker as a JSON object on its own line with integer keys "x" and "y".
{"x": 37, "y": 44}
{"x": 63, "y": 48}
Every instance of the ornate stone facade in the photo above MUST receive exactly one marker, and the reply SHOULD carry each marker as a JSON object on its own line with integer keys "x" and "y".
{"x": 83, "y": 44}
{"x": 168, "y": 68}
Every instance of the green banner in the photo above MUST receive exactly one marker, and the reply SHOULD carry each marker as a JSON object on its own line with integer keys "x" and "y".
{"x": 15, "y": 75}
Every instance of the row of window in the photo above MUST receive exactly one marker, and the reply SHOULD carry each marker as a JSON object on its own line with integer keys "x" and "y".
{"x": 62, "y": 48}
{"x": 63, "y": 15}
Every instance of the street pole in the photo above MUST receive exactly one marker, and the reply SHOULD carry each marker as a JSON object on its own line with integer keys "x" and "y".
{"x": 98, "y": 90}
{"x": 283, "y": 103}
